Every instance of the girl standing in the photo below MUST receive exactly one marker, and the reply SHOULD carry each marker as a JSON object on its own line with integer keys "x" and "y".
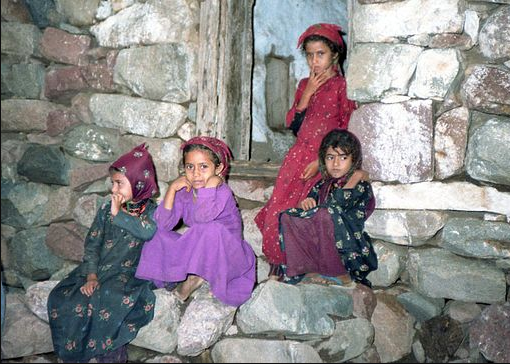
{"x": 100, "y": 306}
{"x": 212, "y": 249}
{"x": 324, "y": 239}
{"x": 320, "y": 105}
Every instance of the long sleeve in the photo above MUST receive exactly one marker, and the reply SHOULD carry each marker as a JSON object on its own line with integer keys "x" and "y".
{"x": 211, "y": 202}
{"x": 314, "y": 192}
{"x": 356, "y": 198}
{"x": 351, "y": 204}
{"x": 167, "y": 219}
{"x": 143, "y": 227}
{"x": 94, "y": 241}
{"x": 347, "y": 107}
{"x": 299, "y": 93}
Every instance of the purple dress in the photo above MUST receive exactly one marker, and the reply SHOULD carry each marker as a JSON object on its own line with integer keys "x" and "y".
{"x": 212, "y": 247}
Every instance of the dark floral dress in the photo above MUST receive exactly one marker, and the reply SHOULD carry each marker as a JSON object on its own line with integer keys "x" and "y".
{"x": 328, "y": 109}
{"x": 347, "y": 209}
{"x": 84, "y": 327}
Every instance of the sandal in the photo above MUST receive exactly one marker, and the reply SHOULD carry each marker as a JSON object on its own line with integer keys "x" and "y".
{"x": 328, "y": 281}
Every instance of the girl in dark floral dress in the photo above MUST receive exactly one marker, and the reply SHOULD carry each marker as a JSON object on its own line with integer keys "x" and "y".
{"x": 324, "y": 240}
{"x": 100, "y": 306}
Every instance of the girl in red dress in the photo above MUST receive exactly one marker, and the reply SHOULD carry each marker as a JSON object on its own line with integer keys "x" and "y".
{"x": 320, "y": 105}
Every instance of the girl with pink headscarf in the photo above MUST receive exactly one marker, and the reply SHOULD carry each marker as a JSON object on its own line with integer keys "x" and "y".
{"x": 320, "y": 105}
{"x": 212, "y": 248}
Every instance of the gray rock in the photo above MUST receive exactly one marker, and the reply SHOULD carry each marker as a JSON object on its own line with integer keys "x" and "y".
{"x": 45, "y": 164}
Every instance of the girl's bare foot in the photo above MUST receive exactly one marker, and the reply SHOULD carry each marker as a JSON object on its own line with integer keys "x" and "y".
{"x": 186, "y": 288}
{"x": 273, "y": 278}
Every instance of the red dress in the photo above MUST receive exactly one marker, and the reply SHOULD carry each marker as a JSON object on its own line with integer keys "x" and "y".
{"x": 329, "y": 108}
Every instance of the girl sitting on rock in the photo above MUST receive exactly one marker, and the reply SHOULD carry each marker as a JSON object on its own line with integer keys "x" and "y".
{"x": 212, "y": 248}
{"x": 100, "y": 306}
{"x": 324, "y": 241}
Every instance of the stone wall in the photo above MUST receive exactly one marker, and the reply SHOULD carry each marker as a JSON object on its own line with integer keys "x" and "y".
{"x": 83, "y": 82}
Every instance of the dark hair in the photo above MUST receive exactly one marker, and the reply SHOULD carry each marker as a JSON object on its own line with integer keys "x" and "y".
{"x": 345, "y": 140}
{"x": 191, "y": 147}
{"x": 335, "y": 48}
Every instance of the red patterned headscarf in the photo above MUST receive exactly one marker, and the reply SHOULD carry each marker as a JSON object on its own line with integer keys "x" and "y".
{"x": 138, "y": 167}
{"x": 217, "y": 146}
{"x": 329, "y": 31}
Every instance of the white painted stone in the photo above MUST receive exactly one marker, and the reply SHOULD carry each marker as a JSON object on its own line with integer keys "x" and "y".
{"x": 136, "y": 115}
{"x": 166, "y": 154}
{"x": 472, "y": 25}
{"x": 393, "y": 99}
{"x": 150, "y": 23}
{"x": 495, "y": 33}
{"x": 251, "y": 232}
{"x": 435, "y": 71}
{"x": 253, "y": 190}
{"x": 187, "y": 131}
{"x": 462, "y": 196}
{"x": 450, "y": 140}
{"x": 380, "y": 70}
{"x": 410, "y": 228}
{"x": 161, "y": 333}
{"x": 377, "y": 22}
{"x": 163, "y": 72}
{"x": 396, "y": 140}
{"x": 391, "y": 263}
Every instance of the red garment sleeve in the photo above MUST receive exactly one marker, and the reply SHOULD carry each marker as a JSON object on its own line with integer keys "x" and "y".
{"x": 299, "y": 92}
{"x": 347, "y": 106}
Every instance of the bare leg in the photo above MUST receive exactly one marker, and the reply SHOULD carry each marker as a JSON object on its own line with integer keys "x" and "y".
{"x": 186, "y": 288}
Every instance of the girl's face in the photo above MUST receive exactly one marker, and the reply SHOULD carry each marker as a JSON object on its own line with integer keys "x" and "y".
{"x": 337, "y": 162}
{"x": 199, "y": 167}
{"x": 319, "y": 56}
{"x": 121, "y": 186}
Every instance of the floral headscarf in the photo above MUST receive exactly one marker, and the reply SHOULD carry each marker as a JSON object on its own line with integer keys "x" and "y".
{"x": 138, "y": 167}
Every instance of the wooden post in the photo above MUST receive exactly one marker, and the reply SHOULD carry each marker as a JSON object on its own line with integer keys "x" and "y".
{"x": 225, "y": 73}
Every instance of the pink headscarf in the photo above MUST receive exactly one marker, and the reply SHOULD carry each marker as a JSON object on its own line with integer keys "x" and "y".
{"x": 138, "y": 167}
{"x": 329, "y": 31}
{"x": 217, "y": 146}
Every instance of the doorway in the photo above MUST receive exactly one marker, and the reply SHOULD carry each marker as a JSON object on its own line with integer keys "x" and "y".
{"x": 249, "y": 68}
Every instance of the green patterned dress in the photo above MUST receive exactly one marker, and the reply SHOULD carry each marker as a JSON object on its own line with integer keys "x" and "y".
{"x": 84, "y": 327}
{"x": 344, "y": 233}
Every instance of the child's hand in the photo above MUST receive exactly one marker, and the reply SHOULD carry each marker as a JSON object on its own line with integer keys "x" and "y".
{"x": 315, "y": 81}
{"x": 214, "y": 181}
{"x": 117, "y": 201}
{"x": 310, "y": 171}
{"x": 179, "y": 184}
{"x": 308, "y": 203}
{"x": 88, "y": 288}
{"x": 357, "y": 176}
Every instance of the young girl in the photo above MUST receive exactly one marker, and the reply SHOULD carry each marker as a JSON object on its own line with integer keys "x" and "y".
{"x": 320, "y": 105}
{"x": 212, "y": 249}
{"x": 324, "y": 239}
{"x": 100, "y": 306}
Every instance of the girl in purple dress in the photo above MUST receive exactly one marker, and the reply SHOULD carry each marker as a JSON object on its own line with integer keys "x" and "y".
{"x": 212, "y": 248}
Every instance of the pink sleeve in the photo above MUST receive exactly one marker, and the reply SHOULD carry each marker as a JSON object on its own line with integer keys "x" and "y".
{"x": 299, "y": 92}
{"x": 347, "y": 106}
